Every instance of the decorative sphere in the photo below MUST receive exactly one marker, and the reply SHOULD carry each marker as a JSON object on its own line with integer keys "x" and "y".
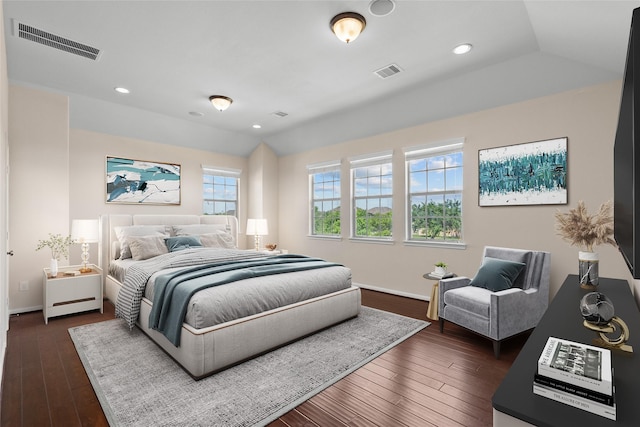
{"x": 596, "y": 308}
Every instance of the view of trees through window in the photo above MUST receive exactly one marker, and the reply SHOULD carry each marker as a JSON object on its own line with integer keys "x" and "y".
{"x": 220, "y": 195}
{"x": 433, "y": 188}
{"x": 435, "y": 197}
{"x": 372, "y": 200}
{"x": 326, "y": 203}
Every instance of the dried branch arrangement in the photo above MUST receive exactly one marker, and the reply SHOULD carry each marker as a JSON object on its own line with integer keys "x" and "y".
{"x": 586, "y": 231}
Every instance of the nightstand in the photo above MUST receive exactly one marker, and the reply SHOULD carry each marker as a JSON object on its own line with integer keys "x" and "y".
{"x": 67, "y": 294}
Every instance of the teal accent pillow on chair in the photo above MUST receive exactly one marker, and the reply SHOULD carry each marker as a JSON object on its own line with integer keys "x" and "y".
{"x": 497, "y": 274}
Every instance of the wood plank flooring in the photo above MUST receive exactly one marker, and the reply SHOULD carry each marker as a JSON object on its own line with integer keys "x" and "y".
{"x": 431, "y": 379}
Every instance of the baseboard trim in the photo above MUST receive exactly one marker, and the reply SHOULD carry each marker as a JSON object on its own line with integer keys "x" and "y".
{"x": 393, "y": 292}
{"x": 25, "y": 310}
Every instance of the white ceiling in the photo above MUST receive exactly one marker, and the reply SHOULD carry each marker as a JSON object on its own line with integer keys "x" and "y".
{"x": 272, "y": 56}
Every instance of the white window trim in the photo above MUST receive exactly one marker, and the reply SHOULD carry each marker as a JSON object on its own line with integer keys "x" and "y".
{"x": 219, "y": 171}
{"x": 331, "y": 165}
{"x": 419, "y": 152}
{"x": 227, "y": 172}
{"x": 361, "y": 161}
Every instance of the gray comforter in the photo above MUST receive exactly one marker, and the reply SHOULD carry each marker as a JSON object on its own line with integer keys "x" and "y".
{"x": 224, "y": 303}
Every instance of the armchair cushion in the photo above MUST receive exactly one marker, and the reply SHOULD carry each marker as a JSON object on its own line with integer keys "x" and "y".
{"x": 497, "y": 274}
{"x": 469, "y": 298}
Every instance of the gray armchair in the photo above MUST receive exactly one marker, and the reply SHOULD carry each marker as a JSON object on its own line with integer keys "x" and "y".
{"x": 493, "y": 313}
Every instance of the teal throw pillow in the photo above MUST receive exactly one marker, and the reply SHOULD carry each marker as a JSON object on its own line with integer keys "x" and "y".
{"x": 497, "y": 274}
{"x": 182, "y": 242}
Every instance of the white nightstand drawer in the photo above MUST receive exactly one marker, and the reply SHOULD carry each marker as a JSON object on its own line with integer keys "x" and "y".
{"x": 65, "y": 294}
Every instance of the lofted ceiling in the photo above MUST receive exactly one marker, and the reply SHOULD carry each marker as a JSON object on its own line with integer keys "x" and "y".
{"x": 281, "y": 57}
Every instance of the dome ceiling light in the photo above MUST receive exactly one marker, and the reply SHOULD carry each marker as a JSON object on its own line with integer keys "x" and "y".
{"x": 347, "y": 26}
{"x": 220, "y": 102}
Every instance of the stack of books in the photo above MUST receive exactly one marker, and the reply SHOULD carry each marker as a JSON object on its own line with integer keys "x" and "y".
{"x": 577, "y": 374}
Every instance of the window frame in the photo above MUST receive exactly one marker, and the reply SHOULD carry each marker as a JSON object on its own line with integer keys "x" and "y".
{"x": 375, "y": 159}
{"x": 312, "y": 171}
{"x": 425, "y": 152}
{"x": 225, "y": 173}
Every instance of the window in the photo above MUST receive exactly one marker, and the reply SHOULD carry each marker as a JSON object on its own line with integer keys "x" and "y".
{"x": 220, "y": 191}
{"x": 434, "y": 183}
{"x": 372, "y": 201}
{"x": 324, "y": 179}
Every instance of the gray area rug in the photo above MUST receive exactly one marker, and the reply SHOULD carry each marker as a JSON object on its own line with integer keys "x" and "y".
{"x": 138, "y": 384}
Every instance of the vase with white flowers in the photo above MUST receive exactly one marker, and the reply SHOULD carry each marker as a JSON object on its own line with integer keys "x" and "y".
{"x": 59, "y": 246}
{"x": 586, "y": 231}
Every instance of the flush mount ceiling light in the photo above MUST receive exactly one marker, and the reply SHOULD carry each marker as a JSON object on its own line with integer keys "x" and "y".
{"x": 121, "y": 90}
{"x": 347, "y": 26}
{"x": 220, "y": 102}
{"x": 462, "y": 49}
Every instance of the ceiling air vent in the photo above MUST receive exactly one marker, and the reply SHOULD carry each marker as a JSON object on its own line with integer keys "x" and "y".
{"x": 28, "y": 32}
{"x": 280, "y": 114}
{"x": 388, "y": 71}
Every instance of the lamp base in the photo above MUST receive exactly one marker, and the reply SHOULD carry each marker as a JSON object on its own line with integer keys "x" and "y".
{"x": 85, "y": 270}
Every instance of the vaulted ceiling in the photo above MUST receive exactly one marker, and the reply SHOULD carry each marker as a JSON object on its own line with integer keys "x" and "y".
{"x": 281, "y": 57}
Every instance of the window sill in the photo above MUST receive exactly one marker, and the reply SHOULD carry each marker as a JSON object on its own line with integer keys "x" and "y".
{"x": 321, "y": 237}
{"x": 441, "y": 245}
{"x": 372, "y": 240}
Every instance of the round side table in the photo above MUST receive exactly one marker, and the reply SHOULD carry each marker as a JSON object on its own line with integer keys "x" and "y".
{"x": 432, "y": 310}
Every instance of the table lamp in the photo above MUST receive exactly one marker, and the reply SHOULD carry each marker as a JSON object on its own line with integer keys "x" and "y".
{"x": 257, "y": 227}
{"x": 84, "y": 231}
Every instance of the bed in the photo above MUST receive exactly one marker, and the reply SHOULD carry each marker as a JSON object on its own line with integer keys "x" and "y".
{"x": 213, "y": 338}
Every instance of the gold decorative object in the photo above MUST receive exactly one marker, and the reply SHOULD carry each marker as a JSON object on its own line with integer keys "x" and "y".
{"x": 271, "y": 246}
{"x": 615, "y": 325}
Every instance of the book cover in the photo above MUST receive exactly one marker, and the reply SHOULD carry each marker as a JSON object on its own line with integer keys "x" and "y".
{"x": 607, "y": 411}
{"x": 577, "y": 364}
{"x": 573, "y": 389}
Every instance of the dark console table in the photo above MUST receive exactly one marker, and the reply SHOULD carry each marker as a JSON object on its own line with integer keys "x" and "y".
{"x": 515, "y": 398}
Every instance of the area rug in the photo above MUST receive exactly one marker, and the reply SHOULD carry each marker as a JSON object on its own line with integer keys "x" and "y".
{"x": 138, "y": 384}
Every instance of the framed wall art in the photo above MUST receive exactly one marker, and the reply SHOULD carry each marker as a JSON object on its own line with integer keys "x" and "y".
{"x": 142, "y": 182}
{"x": 534, "y": 173}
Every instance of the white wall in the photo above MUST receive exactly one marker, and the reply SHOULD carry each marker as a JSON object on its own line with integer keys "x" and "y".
{"x": 588, "y": 117}
{"x": 39, "y": 186}
{"x": 263, "y": 192}
{"x": 4, "y": 191}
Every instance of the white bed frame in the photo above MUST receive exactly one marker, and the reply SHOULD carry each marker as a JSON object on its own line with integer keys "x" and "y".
{"x": 208, "y": 350}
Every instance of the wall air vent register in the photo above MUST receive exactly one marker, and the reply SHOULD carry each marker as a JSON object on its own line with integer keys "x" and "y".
{"x": 27, "y": 32}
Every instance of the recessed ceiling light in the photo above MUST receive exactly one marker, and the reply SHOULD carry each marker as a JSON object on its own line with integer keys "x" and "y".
{"x": 462, "y": 49}
{"x": 381, "y": 7}
{"x": 257, "y": 126}
{"x": 196, "y": 113}
{"x": 121, "y": 90}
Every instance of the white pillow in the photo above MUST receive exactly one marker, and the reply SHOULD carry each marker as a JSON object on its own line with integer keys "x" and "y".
{"x": 219, "y": 239}
{"x": 145, "y": 247}
{"x": 194, "y": 229}
{"x": 122, "y": 233}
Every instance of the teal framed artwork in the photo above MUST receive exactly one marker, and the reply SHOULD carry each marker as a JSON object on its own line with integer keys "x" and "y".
{"x": 533, "y": 173}
{"x": 142, "y": 182}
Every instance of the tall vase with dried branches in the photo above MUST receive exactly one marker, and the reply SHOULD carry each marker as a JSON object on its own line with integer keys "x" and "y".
{"x": 587, "y": 231}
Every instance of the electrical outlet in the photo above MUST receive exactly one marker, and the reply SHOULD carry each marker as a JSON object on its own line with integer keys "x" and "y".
{"x": 24, "y": 285}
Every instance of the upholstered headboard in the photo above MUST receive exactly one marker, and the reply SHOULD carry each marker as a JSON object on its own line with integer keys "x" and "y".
{"x": 109, "y": 222}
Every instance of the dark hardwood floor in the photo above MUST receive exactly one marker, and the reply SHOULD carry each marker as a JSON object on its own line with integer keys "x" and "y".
{"x": 430, "y": 379}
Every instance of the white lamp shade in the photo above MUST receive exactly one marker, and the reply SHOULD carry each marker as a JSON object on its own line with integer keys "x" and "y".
{"x": 257, "y": 227}
{"x": 84, "y": 230}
